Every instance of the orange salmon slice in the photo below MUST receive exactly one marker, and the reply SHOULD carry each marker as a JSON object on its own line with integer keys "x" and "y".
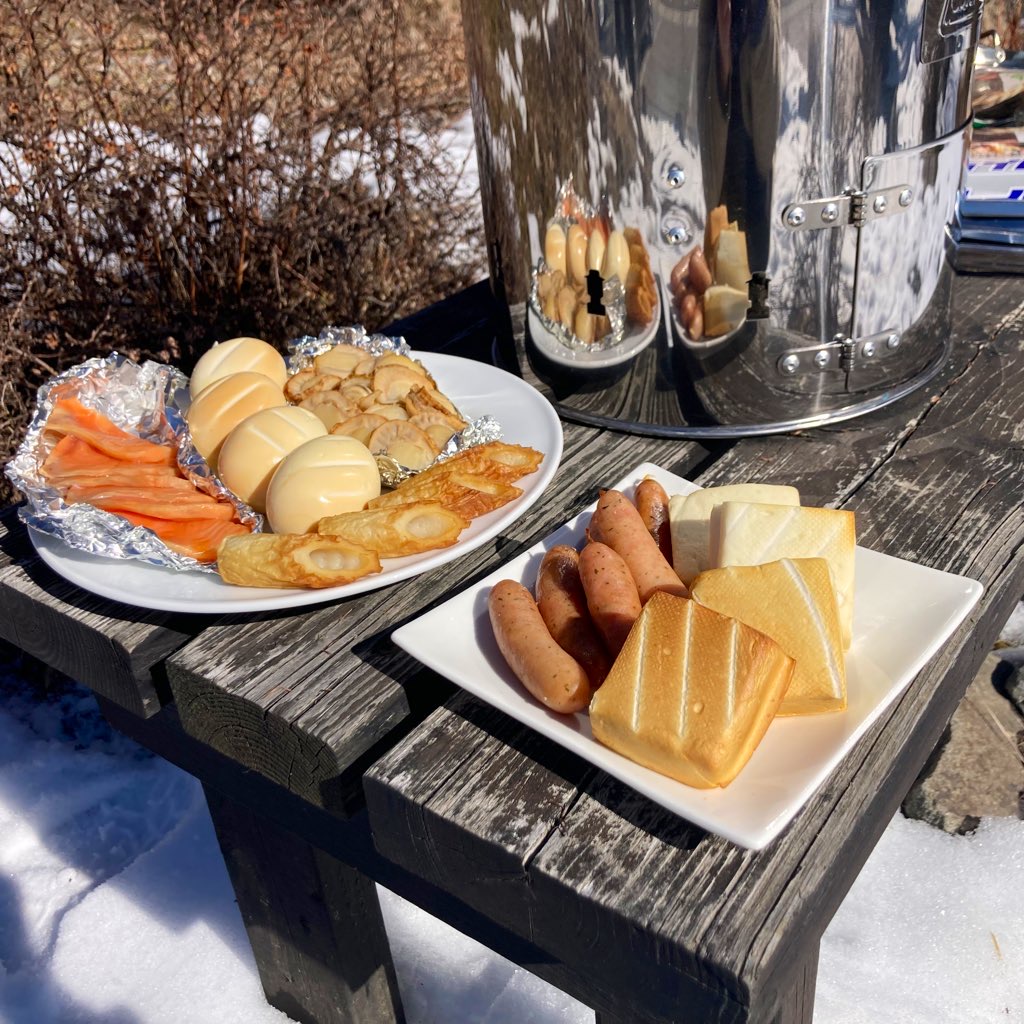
{"x": 160, "y": 504}
{"x": 198, "y": 540}
{"x": 143, "y": 477}
{"x": 70, "y": 418}
{"x": 72, "y": 461}
{"x": 71, "y": 456}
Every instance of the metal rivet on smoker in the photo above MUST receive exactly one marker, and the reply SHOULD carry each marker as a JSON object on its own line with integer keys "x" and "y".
{"x": 675, "y": 176}
{"x": 675, "y": 234}
{"x": 821, "y": 359}
{"x": 879, "y": 204}
{"x": 789, "y": 364}
{"x": 829, "y": 212}
{"x": 892, "y": 342}
{"x": 868, "y": 349}
{"x": 906, "y": 197}
{"x": 796, "y": 217}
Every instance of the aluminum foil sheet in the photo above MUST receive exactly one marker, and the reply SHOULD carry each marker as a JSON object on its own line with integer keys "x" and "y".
{"x": 139, "y": 399}
{"x": 152, "y": 400}
{"x": 613, "y": 298}
{"x": 302, "y": 352}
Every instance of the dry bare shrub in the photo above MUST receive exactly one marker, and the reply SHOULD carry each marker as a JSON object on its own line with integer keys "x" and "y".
{"x": 174, "y": 172}
{"x": 1007, "y": 18}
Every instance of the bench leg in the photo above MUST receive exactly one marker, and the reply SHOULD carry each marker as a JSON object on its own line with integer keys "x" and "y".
{"x": 797, "y": 1005}
{"x": 314, "y": 923}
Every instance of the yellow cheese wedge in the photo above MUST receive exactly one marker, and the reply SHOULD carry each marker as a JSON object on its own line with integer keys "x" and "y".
{"x": 725, "y": 308}
{"x": 748, "y": 533}
{"x": 731, "y": 267}
{"x": 792, "y": 601}
{"x": 718, "y": 221}
{"x": 691, "y": 693}
{"x": 690, "y": 520}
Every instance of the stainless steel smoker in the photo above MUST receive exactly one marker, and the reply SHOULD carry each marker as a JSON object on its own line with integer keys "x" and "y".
{"x": 782, "y": 173}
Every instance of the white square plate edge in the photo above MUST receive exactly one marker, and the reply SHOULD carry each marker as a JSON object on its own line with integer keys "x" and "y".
{"x": 894, "y": 638}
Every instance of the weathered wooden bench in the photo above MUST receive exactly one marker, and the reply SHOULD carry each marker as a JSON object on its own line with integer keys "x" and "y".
{"x": 331, "y": 760}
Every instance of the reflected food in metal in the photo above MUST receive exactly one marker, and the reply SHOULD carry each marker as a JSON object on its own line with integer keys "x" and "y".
{"x": 790, "y": 166}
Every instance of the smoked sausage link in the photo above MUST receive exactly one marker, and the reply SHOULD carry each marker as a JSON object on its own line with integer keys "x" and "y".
{"x": 563, "y": 607}
{"x": 552, "y": 676}
{"x": 652, "y": 504}
{"x": 617, "y": 523}
{"x": 611, "y": 594}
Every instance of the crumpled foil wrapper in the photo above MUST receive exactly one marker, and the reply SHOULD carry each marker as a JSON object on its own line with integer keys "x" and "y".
{"x": 152, "y": 400}
{"x": 572, "y": 209}
{"x": 142, "y": 400}
{"x": 480, "y": 431}
{"x": 613, "y": 298}
{"x": 302, "y": 352}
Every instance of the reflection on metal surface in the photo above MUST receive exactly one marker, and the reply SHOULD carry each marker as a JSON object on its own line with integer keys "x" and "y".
{"x": 854, "y": 207}
{"x": 724, "y": 131}
{"x": 841, "y": 353}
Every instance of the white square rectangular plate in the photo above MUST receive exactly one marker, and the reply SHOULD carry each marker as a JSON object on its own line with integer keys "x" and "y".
{"x": 903, "y": 613}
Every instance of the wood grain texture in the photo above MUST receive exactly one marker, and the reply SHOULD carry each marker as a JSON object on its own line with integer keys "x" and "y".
{"x": 681, "y": 923}
{"x": 518, "y": 842}
{"x": 348, "y": 841}
{"x": 314, "y": 923}
{"x": 310, "y": 699}
{"x": 111, "y": 648}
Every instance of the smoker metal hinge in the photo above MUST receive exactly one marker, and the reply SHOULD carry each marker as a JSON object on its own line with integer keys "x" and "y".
{"x": 854, "y": 207}
{"x": 841, "y": 353}
{"x": 858, "y": 204}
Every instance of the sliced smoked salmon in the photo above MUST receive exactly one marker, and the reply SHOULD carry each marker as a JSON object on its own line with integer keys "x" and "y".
{"x": 160, "y": 504}
{"x": 198, "y": 540}
{"x": 72, "y": 461}
{"x": 141, "y": 476}
{"x": 71, "y": 456}
{"x": 70, "y": 418}
{"x": 169, "y": 488}
{"x": 96, "y": 463}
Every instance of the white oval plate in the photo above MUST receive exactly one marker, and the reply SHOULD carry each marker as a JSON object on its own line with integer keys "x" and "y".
{"x": 478, "y": 389}
{"x": 903, "y": 614}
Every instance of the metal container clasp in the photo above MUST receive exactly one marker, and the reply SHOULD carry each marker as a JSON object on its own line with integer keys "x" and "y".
{"x": 854, "y": 207}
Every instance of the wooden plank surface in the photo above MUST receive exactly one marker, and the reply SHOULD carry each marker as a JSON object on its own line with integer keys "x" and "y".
{"x": 632, "y": 897}
{"x": 346, "y": 840}
{"x": 114, "y": 649}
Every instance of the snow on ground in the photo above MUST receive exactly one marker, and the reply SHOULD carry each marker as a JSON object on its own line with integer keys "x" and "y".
{"x": 115, "y": 906}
